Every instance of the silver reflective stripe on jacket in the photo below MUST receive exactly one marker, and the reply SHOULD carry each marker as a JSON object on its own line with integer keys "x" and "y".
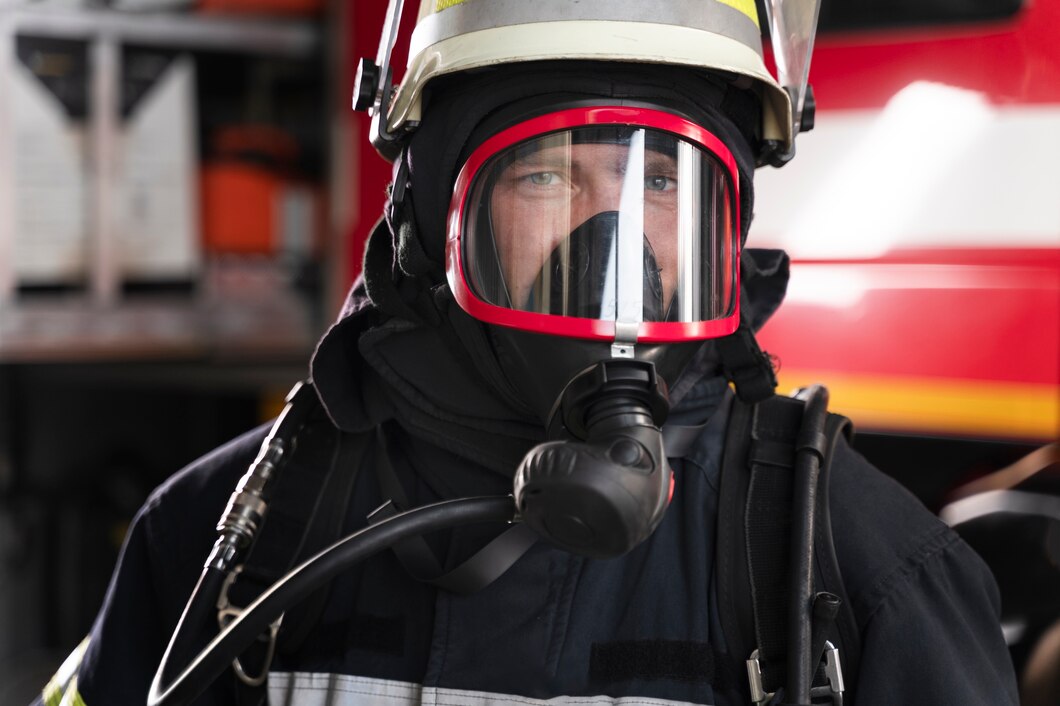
{"x": 314, "y": 689}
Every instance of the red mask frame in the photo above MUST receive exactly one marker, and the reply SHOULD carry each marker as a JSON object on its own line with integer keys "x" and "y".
{"x": 586, "y": 328}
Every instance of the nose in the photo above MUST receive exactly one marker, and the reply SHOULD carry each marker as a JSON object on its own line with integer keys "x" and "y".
{"x": 598, "y": 195}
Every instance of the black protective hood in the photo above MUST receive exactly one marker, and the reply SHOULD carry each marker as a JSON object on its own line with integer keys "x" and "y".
{"x": 404, "y": 349}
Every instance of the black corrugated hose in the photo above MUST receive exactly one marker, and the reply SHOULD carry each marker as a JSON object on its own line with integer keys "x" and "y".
{"x": 810, "y": 452}
{"x": 298, "y": 584}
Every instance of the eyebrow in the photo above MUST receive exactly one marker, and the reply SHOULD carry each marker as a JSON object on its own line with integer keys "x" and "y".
{"x": 540, "y": 160}
{"x": 657, "y": 161}
{"x": 653, "y": 160}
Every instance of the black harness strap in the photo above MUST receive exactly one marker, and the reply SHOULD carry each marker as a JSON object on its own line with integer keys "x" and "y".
{"x": 767, "y": 524}
{"x": 827, "y": 563}
{"x": 325, "y": 527}
{"x": 306, "y": 513}
{"x": 475, "y": 573}
{"x": 732, "y": 581}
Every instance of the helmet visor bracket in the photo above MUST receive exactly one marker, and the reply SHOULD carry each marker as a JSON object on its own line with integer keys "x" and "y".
{"x": 596, "y": 222}
{"x": 792, "y": 29}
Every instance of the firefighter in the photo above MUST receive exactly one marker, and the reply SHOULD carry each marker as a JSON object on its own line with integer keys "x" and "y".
{"x": 559, "y": 279}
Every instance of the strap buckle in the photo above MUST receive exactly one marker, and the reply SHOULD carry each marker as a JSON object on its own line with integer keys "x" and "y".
{"x": 759, "y": 695}
{"x": 833, "y": 673}
{"x": 226, "y": 613}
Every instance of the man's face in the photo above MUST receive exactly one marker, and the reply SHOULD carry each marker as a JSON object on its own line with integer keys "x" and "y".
{"x": 542, "y": 196}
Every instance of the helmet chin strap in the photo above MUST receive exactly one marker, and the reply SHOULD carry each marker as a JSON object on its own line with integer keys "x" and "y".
{"x": 745, "y": 364}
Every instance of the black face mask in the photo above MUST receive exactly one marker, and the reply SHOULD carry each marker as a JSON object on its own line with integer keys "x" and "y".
{"x": 601, "y": 485}
{"x": 576, "y": 273}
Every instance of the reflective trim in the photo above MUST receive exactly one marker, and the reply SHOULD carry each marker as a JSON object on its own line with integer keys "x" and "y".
{"x": 316, "y": 689}
{"x": 688, "y": 182}
{"x": 72, "y": 697}
{"x": 645, "y": 42}
{"x": 52, "y": 693}
{"x": 61, "y": 689}
{"x": 1012, "y": 502}
{"x": 747, "y": 7}
{"x": 715, "y": 16}
{"x": 629, "y": 309}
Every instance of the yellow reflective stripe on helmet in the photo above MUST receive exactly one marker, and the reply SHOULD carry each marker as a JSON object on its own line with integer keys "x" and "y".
{"x": 62, "y": 688}
{"x": 747, "y": 7}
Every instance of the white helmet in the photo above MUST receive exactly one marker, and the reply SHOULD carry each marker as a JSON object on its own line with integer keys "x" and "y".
{"x": 720, "y": 35}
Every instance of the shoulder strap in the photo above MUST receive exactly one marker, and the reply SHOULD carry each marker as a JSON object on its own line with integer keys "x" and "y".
{"x": 753, "y": 536}
{"x": 845, "y": 634}
{"x": 416, "y": 556}
{"x": 307, "y": 512}
{"x": 732, "y": 580}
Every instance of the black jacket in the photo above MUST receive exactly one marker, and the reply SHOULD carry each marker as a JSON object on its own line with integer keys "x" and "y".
{"x": 640, "y": 629}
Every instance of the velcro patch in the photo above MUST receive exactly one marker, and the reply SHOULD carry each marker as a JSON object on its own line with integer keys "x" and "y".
{"x": 649, "y": 660}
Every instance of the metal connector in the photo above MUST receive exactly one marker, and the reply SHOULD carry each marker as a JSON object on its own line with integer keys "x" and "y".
{"x": 833, "y": 673}
{"x": 246, "y": 508}
{"x": 833, "y": 670}
{"x": 245, "y": 512}
{"x": 226, "y": 613}
{"x": 759, "y": 695}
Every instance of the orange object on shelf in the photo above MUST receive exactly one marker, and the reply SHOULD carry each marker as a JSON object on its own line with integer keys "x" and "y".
{"x": 253, "y": 200}
{"x": 238, "y": 213}
{"x": 263, "y": 7}
{"x": 250, "y": 210}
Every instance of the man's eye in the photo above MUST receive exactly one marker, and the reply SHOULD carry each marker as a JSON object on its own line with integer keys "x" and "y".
{"x": 659, "y": 183}
{"x": 542, "y": 178}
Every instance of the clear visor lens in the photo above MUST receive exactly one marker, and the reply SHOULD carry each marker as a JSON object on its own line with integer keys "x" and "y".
{"x": 613, "y": 223}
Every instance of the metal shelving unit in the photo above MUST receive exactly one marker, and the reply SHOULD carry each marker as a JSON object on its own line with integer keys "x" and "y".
{"x": 97, "y": 321}
{"x": 106, "y": 386}
{"x": 289, "y": 38}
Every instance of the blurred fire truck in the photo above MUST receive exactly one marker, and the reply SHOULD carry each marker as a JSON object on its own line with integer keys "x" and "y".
{"x": 923, "y": 219}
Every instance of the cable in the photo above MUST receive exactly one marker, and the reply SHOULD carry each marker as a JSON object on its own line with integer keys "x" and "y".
{"x": 198, "y": 612}
{"x": 300, "y": 582}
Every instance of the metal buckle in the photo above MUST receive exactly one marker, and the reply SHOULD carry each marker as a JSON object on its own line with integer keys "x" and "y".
{"x": 759, "y": 695}
{"x": 226, "y": 613}
{"x": 833, "y": 672}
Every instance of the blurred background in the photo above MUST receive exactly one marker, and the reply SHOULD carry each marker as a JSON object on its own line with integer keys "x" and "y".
{"x": 184, "y": 196}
